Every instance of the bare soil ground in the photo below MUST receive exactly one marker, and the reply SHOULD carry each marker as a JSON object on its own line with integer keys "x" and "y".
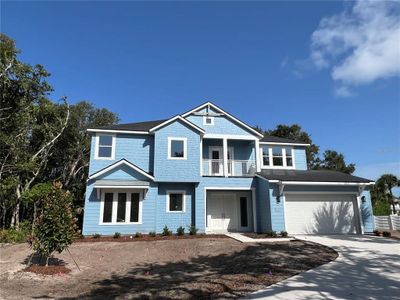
{"x": 174, "y": 269}
{"x": 254, "y": 235}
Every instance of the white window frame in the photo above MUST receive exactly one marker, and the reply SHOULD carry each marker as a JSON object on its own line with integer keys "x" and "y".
{"x": 170, "y": 139}
{"x": 183, "y": 201}
{"x": 271, "y": 165}
{"x": 205, "y": 120}
{"x": 97, "y": 147}
{"x": 115, "y": 206}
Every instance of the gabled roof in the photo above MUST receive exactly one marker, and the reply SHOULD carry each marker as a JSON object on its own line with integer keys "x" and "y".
{"x": 268, "y": 139}
{"x": 236, "y": 120}
{"x": 187, "y": 122}
{"x": 117, "y": 164}
{"x": 138, "y": 126}
{"x": 314, "y": 176}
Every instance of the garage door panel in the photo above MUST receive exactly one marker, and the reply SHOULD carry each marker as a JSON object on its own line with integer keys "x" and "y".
{"x": 320, "y": 214}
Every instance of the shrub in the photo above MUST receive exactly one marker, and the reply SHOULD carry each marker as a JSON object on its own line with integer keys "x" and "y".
{"x": 381, "y": 208}
{"x": 55, "y": 227}
{"x": 180, "y": 231}
{"x": 166, "y": 231}
{"x": 96, "y": 235}
{"x": 12, "y": 235}
{"x": 192, "y": 230}
{"x": 386, "y": 234}
{"x": 377, "y": 232}
{"x": 117, "y": 235}
{"x": 272, "y": 234}
{"x": 152, "y": 233}
{"x": 284, "y": 234}
{"x": 138, "y": 235}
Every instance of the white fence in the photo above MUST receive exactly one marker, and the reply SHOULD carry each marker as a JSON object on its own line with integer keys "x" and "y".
{"x": 387, "y": 222}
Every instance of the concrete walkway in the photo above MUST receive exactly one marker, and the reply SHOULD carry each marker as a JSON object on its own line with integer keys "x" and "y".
{"x": 245, "y": 239}
{"x": 367, "y": 268}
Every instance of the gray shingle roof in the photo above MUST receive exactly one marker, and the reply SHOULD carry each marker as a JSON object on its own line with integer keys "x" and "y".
{"x": 311, "y": 175}
{"x": 275, "y": 139}
{"x": 138, "y": 126}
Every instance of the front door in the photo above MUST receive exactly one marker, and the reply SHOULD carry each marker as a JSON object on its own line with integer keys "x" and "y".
{"x": 222, "y": 212}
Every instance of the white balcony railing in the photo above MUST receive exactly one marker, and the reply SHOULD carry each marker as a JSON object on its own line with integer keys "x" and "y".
{"x": 215, "y": 167}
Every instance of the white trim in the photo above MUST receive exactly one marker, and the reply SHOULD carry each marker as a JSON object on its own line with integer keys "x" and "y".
{"x": 168, "y": 192}
{"x": 320, "y": 192}
{"x": 224, "y": 112}
{"x": 205, "y": 120}
{"x": 257, "y": 155}
{"x": 229, "y": 137}
{"x": 360, "y": 221}
{"x": 201, "y": 156}
{"x": 117, "y": 131}
{"x": 225, "y": 156}
{"x": 115, "y": 207}
{"x": 96, "y": 149}
{"x": 121, "y": 187}
{"x": 282, "y": 143}
{"x": 177, "y": 118}
{"x": 97, "y": 174}
{"x": 172, "y": 138}
{"x": 324, "y": 183}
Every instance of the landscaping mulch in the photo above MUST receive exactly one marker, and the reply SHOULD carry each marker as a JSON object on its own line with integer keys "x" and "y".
{"x": 146, "y": 238}
{"x": 47, "y": 270}
{"x": 254, "y": 235}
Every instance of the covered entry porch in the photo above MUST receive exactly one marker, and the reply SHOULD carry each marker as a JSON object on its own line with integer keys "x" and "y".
{"x": 229, "y": 211}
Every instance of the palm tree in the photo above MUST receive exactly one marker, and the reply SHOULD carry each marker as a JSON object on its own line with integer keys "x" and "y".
{"x": 387, "y": 182}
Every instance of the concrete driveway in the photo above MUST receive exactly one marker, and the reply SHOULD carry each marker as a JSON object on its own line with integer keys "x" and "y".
{"x": 367, "y": 268}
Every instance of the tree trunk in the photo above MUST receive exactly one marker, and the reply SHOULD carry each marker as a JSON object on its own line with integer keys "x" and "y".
{"x": 392, "y": 201}
{"x": 15, "y": 217}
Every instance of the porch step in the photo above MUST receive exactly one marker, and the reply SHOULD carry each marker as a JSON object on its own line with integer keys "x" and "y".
{"x": 245, "y": 239}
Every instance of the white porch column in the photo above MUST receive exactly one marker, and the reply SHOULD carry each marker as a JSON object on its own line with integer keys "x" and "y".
{"x": 257, "y": 155}
{"x": 225, "y": 155}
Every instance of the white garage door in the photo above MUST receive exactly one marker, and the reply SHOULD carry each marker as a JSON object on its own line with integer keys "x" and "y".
{"x": 320, "y": 213}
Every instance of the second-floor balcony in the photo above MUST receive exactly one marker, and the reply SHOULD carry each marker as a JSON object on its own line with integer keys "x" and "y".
{"x": 241, "y": 168}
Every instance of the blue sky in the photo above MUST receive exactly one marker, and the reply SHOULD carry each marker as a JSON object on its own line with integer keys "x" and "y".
{"x": 268, "y": 63}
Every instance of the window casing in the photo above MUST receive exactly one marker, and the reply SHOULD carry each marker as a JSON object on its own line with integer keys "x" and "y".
{"x": 105, "y": 146}
{"x": 176, "y": 201}
{"x": 277, "y": 157}
{"x": 177, "y": 148}
{"x": 121, "y": 207}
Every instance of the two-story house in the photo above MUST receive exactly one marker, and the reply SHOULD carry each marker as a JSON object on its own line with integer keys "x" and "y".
{"x": 209, "y": 169}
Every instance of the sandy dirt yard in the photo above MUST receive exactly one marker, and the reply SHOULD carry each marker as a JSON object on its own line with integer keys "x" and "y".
{"x": 187, "y": 268}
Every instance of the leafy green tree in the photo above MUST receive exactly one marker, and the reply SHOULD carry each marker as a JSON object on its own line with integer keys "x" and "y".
{"x": 30, "y": 123}
{"x": 381, "y": 208}
{"x": 335, "y": 161}
{"x": 385, "y": 184}
{"x": 55, "y": 226}
{"x": 69, "y": 161}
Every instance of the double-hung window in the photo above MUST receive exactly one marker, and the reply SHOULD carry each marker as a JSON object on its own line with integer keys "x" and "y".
{"x": 105, "y": 147}
{"x": 121, "y": 207}
{"x": 177, "y": 148}
{"x": 175, "y": 201}
{"x": 277, "y": 157}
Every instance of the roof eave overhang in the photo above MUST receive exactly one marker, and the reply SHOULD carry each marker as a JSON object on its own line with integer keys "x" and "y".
{"x": 286, "y": 144}
{"x": 179, "y": 118}
{"x": 116, "y": 131}
{"x": 338, "y": 183}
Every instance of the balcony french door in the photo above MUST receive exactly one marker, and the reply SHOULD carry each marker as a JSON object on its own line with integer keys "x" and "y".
{"x": 217, "y": 161}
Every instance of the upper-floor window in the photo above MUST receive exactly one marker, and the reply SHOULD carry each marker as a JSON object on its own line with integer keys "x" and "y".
{"x": 177, "y": 148}
{"x": 279, "y": 157}
{"x": 208, "y": 120}
{"x": 105, "y": 148}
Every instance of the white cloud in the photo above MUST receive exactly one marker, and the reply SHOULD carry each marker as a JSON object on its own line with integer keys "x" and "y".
{"x": 359, "y": 45}
{"x": 343, "y": 91}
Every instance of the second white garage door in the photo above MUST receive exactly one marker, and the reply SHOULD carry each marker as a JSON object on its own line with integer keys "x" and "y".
{"x": 320, "y": 214}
